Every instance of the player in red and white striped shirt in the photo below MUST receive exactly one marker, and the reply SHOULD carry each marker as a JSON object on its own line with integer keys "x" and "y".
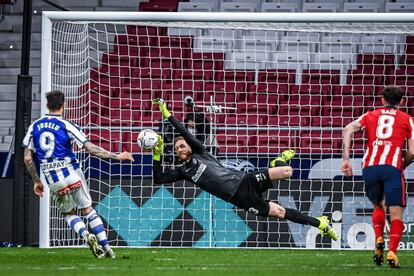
{"x": 386, "y": 129}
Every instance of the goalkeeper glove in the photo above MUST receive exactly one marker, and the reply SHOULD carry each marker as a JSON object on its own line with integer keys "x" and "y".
{"x": 157, "y": 151}
{"x": 163, "y": 107}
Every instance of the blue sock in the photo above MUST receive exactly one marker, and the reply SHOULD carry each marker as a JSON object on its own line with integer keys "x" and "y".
{"x": 77, "y": 224}
{"x": 96, "y": 224}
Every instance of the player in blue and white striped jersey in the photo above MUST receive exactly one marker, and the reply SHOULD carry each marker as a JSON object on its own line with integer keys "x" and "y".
{"x": 50, "y": 137}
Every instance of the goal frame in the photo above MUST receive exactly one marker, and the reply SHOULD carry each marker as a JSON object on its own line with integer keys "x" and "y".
{"x": 46, "y": 69}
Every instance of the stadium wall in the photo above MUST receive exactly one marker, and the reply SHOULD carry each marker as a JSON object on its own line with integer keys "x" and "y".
{"x": 6, "y": 214}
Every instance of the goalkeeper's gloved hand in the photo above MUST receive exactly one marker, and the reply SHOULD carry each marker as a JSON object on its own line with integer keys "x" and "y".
{"x": 163, "y": 107}
{"x": 157, "y": 151}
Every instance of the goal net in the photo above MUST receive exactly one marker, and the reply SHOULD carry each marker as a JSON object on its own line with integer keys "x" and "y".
{"x": 253, "y": 88}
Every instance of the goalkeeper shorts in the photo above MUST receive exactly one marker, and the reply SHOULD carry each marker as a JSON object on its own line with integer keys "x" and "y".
{"x": 249, "y": 194}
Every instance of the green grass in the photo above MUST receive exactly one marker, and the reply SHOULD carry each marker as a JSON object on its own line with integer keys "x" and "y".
{"x": 162, "y": 261}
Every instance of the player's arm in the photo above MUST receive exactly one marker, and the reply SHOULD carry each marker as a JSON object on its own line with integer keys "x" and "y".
{"x": 100, "y": 152}
{"x": 192, "y": 141}
{"x": 31, "y": 169}
{"x": 347, "y": 134}
{"x": 157, "y": 172}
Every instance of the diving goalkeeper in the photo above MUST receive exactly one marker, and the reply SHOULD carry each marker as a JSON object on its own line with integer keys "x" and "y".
{"x": 243, "y": 190}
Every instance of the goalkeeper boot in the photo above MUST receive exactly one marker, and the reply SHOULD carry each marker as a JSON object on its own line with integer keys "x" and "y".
{"x": 379, "y": 251}
{"x": 110, "y": 254}
{"x": 326, "y": 228}
{"x": 392, "y": 260}
{"x": 285, "y": 157}
{"x": 96, "y": 249}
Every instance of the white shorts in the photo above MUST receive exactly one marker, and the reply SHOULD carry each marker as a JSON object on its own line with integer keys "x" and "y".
{"x": 71, "y": 193}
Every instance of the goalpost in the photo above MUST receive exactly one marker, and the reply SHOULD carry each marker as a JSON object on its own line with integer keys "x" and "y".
{"x": 265, "y": 82}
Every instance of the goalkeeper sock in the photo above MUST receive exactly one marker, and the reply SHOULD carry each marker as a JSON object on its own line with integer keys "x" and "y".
{"x": 77, "y": 224}
{"x": 396, "y": 229}
{"x": 298, "y": 217}
{"x": 96, "y": 224}
{"x": 378, "y": 221}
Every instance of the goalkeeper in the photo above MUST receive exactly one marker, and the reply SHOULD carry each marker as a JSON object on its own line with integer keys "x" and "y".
{"x": 244, "y": 190}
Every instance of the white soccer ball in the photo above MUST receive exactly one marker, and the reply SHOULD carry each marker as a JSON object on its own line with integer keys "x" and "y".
{"x": 147, "y": 139}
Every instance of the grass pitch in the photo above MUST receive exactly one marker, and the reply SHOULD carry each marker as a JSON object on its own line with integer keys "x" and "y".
{"x": 187, "y": 261}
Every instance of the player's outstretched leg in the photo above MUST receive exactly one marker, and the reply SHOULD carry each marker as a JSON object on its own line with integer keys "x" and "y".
{"x": 379, "y": 251}
{"x": 282, "y": 159}
{"x": 97, "y": 227}
{"x": 96, "y": 249}
{"x": 326, "y": 228}
{"x": 294, "y": 215}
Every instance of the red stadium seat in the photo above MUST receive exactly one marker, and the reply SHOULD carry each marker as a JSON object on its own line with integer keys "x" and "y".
{"x": 292, "y": 120}
{"x": 272, "y": 141}
{"x": 108, "y": 139}
{"x": 233, "y": 142}
{"x": 205, "y": 61}
{"x": 320, "y": 142}
{"x": 159, "y": 6}
{"x": 316, "y": 76}
{"x": 280, "y": 76}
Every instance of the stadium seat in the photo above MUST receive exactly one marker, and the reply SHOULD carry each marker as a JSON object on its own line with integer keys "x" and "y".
{"x": 403, "y": 6}
{"x": 320, "y": 7}
{"x": 216, "y": 3}
{"x": 339, "y": 3}
{"x": 291, "y": 120}
{"x": 259, "y": 43}
{"x": 277, "y": 76}
{"x": 273, "y": 141}
{"x": 126, "y": 103}
{"x": 340, "y": 43}
{"x": 244, "y": 120}
{"x": 280, "y": 7}
{"x": 320, "y": 142}
{"x": 292, "y": 61}
{"x": 318, "y": 76}
{"x": 225, "y": 86}
{"x": 232, "y": 141}
{"x": 205, "y": 61}
{"x": 252, "y": 108}
{"x": 246, "y": 60}
{"x": 341, "y": 62}
{"x": 310, "y": 89}
{"x": 108, "y": 139}
{"x": 374, "y": 6}
{"x": 299, "y": 42}
{"x": 183, "y": 85}
{"x": 299, "y": 3}
{"x": 159, "y": 6}
{"x": 196, "y": 7}
{"x": 247, "y": 6}
{"x": 386, "y": 44}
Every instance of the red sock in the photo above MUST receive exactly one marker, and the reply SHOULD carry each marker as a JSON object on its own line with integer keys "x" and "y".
{"x": 378, "y": 220}
{"x": 396, "y": 229}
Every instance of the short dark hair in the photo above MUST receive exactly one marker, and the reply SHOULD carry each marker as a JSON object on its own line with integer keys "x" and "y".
{"x": 55, "y": 100}
{"x": 392, "y": 95}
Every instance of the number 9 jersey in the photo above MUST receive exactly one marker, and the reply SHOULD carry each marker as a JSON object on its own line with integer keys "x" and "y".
{"x": 51, "y": 138}
{"x": 386, "y": 129}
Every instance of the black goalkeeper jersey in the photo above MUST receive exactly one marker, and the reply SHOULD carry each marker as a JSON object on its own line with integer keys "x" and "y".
{"x": 203, "y": 169}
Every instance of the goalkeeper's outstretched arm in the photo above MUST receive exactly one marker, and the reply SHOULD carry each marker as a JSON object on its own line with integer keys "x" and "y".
{"x": 191, "y": 140}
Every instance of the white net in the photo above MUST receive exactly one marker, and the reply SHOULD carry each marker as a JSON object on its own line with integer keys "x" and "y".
{"x": 262, "y": 88}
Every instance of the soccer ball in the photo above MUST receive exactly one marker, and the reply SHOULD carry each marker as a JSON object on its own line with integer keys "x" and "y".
{"x": 147, "y": 139}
